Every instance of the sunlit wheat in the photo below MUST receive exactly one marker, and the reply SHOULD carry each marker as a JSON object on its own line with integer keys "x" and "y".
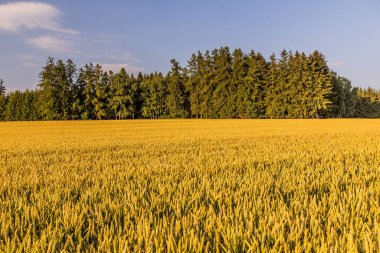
{"x": 190, "y": 186}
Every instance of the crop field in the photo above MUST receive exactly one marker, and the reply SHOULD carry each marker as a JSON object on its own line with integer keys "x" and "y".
{"x": 190, "y": 186}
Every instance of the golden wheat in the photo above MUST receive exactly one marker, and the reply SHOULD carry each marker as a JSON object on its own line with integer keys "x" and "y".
{"x": 190, "y": 186}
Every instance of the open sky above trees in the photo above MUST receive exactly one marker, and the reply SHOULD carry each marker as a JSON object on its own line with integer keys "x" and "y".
{"x": 144, "y": 35}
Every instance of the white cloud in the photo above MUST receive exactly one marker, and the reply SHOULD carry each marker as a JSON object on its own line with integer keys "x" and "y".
{"x": 31, "y": 64}
{"x": 335, "y": 64}
{"x": 52, "y": 44}
{"x": 18, "y": 16}
{"x": 115, "y": 67}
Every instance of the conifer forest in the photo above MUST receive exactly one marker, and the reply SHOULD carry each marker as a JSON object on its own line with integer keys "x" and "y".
{"x": 214, "y": 84}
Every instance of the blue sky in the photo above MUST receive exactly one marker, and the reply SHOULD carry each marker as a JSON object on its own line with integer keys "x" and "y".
{"x": 145, "y": 35}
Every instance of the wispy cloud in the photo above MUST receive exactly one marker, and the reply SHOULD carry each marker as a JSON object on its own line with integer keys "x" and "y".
{"x": 52, "y": 44}
{"x": 16, "y": 17}
{"x": 31, "y": 64}
{"x": 335, "y": 64}
{"x": 115, "y": 67}
{"x": 19, "y": 16}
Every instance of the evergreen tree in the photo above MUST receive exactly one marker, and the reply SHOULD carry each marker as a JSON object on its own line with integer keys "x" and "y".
{"x": 101, "y": 93}
{"x": 78, "y": 96}
{"x": 221, "y": 83}
{"x": 62, "y": 98}
{"x": 254, "y": 87}
{"x": 193, "y": 84}
{"x": 206, "y": 86}
{"x": 2, "y": 87}
{"x": 284, "y": 88}
{"x": 21, "y": 106}
{"x": 342, "y": 98}
{"x": 176, "y": 99}
{"x": 134, "y": 94}
{"x": 239, "y": 92}
{"x": 72, "y": 79}
{"x": 88, "y": 77}
{"x": 55, "y": 89}
{"x": 2, "y": 99}
{"x": 216, "y": 85}
{"x": 154, "y": 96}
{"x": 272, "y": 99}
{"x": 118, "y": 99}
{"x": 48, "y": 91}
{"x": 320, "y": 85}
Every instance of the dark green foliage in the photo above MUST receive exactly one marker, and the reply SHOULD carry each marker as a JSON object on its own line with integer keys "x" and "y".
{"x": 2, "y": 87}
{"x": 21, "y": 106}
{"x": 88, "y": 77}
{"x": 101, "y": 93}
{"x": 154, "y": 92}
{"x": 193, "y": 85}
{"x": 118, "y": 96}
{"x": 176, "y": 98}
{"x": 221, "y": 82}
{"x": 2, "y": 99}
{"x": 367, "y": 103}
{"x": 342, "y": 97}
{"x": 212, "y": 85}
{"x": 255, "y": 87}
{"x": 56, "y": 87}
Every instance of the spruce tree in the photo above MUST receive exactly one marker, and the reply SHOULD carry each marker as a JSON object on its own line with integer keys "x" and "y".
{"x": 101, "y": 93}
{"x": 193, "y": 86}
{"x": 238, "y": 90}
{"x": 2, "y": 87}
{"x": 62, "y": 100}
{"x": 2, "y": 99}
{"x": 48, "y": 91}
{"x": 176, "y": 99}
{"x": 272, "y": 99}
{"x": 255, "y": 86}
{"x": 320, "y": 85}
{"x": 118, "y": 99}
{"x": 206, "y": 87}
{"x": 221, "y": 82}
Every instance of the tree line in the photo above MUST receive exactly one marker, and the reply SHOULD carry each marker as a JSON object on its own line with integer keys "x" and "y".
{"x": 214, "y": 84}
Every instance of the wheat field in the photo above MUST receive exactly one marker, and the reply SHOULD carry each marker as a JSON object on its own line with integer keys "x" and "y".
{"x": 190, "y": 186}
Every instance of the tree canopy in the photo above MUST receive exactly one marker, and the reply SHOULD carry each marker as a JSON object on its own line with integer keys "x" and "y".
{"x": 214, "y": 84}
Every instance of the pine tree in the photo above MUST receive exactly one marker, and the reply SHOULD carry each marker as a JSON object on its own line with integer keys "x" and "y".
{"x": 215, "y": 85}
{"x": 72, "y": 78}
{"x": 117, "y": 99}
{"x": 135, "y": 96}
{"x": 2, "y": 87}
{"x": 154, "y": 92}
{"x": 221, "y": 82}
{"x": 273, "y": 92}
{"x": 21, "y": 106}
{"x": 342, "y": 98}
{"x": 2, "y": 99}
{"x": 88, "y": 77}
{"x": 237, "y": 108}
{"x": 285, "y": 91}
{"x": 320, "y": 84}
{"x": 78, "y": 96}
{"x": 255, "y": 87}
{"x": 101, "y": 93}
{"x": 62, "y": 99}
{"x": 206, "y": 87}
{"x": 129, "y": 89}
{"x": 55, "y": 89}
{"x": 193, "y": 85}
{"x": 48, "y": 91}
{"x": 176, "y": 99}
